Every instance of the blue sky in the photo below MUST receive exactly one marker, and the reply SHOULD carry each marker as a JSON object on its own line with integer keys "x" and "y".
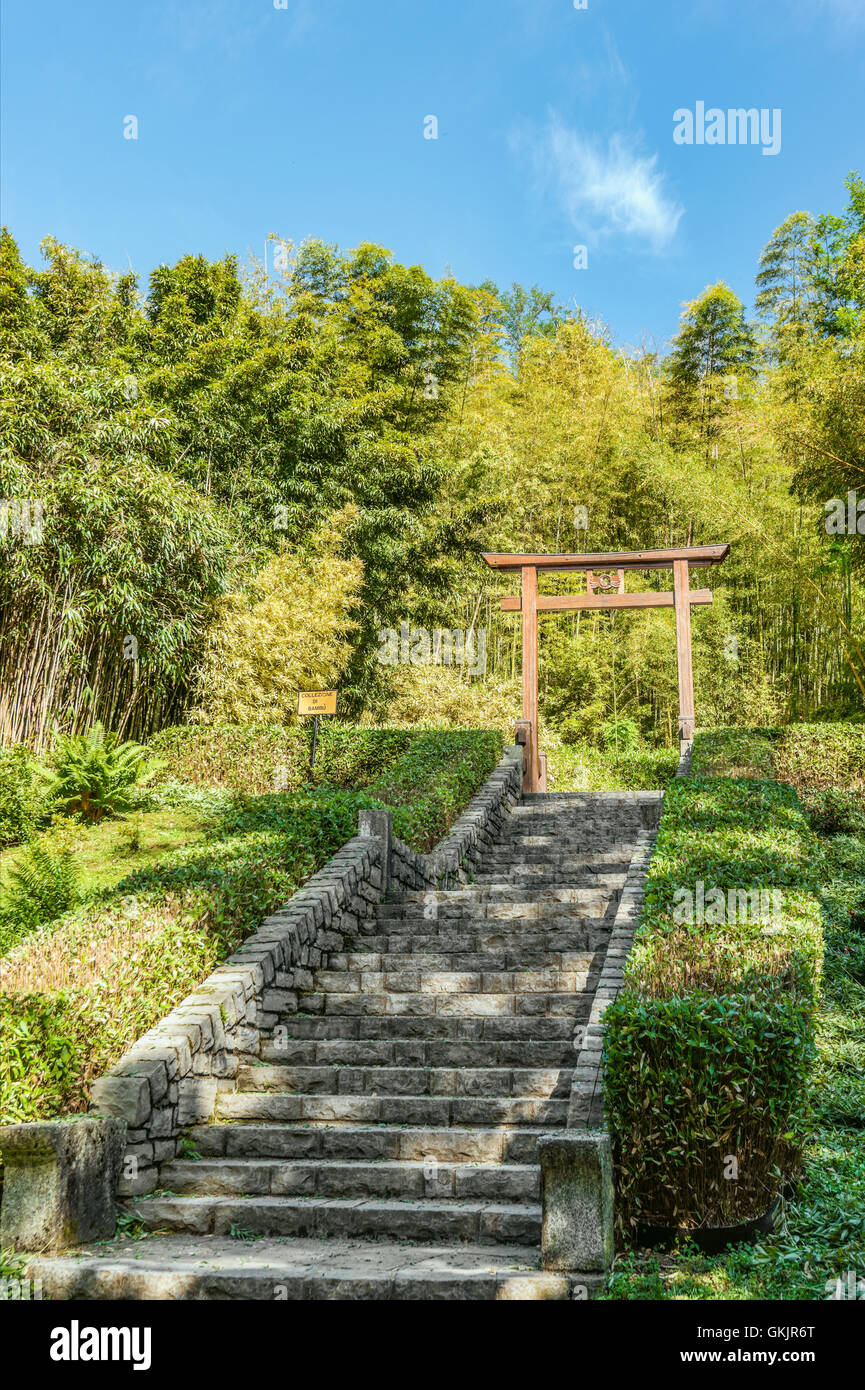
{"x": 555, "y": 129}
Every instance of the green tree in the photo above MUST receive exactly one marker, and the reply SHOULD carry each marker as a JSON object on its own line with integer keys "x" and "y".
{"x": 789, "y": 299}
{"x": 840, "y": 253}
{"x": 713, "y": 360}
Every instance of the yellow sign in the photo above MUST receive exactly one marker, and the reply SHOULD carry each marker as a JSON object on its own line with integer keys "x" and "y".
{"x": 316, "y": 702}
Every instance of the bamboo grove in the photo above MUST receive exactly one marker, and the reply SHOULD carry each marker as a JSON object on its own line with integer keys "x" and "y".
{"x": 165, "y": 453}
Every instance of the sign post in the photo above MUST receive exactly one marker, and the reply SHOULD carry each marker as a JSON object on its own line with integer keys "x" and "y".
{"x": 316, "y": 703}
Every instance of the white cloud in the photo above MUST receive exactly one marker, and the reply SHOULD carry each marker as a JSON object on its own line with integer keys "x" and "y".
{"x": 606, "y": 189}
{"x": 849, "y": 11}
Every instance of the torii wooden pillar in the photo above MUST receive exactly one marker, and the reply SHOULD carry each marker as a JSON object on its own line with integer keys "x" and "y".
{"x": 603, "y": 591}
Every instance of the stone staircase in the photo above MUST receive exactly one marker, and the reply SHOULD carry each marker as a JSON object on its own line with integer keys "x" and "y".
{"x": 385, "y": 1145}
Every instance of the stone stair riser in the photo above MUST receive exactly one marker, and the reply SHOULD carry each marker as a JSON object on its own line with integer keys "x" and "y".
{"x": 426, "y": 1179}
{"x": 406, "y": 1081}
{"x": 358, "y": 1143}
{"x": 258, "y": 1107}
{"x": 436, "y": 1222}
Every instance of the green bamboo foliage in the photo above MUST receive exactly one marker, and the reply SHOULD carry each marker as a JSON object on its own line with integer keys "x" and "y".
{"x": 180, "y": 443}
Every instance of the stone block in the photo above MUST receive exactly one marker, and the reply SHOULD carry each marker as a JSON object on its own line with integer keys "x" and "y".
{"x": 378, "y": 825}
{"x": 577, "y": 1199}
{"x": 197, "y": 1100}
{"x": 60, "y": 1180}
{"x": 124, "y": 1098}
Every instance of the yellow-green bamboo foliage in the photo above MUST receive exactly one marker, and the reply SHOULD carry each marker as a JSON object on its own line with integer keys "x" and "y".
{"x": 287, "y": 631}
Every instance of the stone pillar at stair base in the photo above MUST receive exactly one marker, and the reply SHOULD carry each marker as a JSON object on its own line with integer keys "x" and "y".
{"x": 577, "y": 1197}
{"x": 60, "y": 1178}
{"x": 378, "y": 825}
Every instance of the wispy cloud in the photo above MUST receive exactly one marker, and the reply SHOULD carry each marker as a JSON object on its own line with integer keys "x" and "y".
{"x": 607, "y": 188}
{"x": 220, "y": 23}
{"x": 848, "y": 11}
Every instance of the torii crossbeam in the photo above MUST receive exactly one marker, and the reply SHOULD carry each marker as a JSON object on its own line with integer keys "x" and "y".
{"x": 603, "y": 591}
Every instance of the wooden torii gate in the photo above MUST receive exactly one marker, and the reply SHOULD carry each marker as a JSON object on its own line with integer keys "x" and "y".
{"x": 605, "y": 588}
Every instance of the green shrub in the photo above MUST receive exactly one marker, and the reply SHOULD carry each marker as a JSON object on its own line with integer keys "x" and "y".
{"x": 709, "y": 1045}
{"x": 432, "y": 782}
{"x": 261, "y": 758}
{"x": 94, "y": 773}
{"x": 834, "y": 811}
{"x": 584, "y": 767}
{"x": 821, "y": 755}
{"x": 695, "y": 1080}
{"x": 20, "y": 794}
{"x": 239, "y": 757}
{"x": 807, "y": 756}
{"x": 620, "y": 736}
{"x": 734, "y": 752}
{"x": 42, "y": 885}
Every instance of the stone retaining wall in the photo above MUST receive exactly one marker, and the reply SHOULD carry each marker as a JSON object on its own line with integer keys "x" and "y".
{"x": 476, "y": 831}
{"x": 170, "y": 1077}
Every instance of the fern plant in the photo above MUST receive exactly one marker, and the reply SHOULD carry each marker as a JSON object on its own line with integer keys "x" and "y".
{"x": 42, "y": 884}
{"x": 94, "y": 773}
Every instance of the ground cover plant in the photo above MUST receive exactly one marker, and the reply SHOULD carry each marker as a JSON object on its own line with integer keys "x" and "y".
{"x": 76, "y": 991}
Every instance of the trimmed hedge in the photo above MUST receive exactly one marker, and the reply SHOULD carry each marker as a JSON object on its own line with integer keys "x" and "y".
{"x": 258, "y": 758}
{"x": 807, "y": 756}
{"x": 821, "y": 755}
{"x": 584, "y": 767}
{"x": 708, "y": 1047}
{"x": 434, "y": 779}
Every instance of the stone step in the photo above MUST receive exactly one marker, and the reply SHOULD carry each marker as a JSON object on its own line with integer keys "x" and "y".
{"x": 480, "y": 1004}
{"x": 435, "y": 1028}
{"x": 499, "y": 960}
{"x": 276, "y": 1108}
{"x": 564, "y": 835}
{"x": 413, "y": 979}
{"x": 540, "y": 877}
{"x": 555, "y": 853}
{"x": 177, "y": 1268}
{"x": 476, "y": 897}
{"x": 475, "y": 917}
{"x": 375, "y": 1143}
{"x": 514, "y": 939}
{"x": 402, "y": 1052}
{"x": 424, "y": 1178}
{"x": 435, "y": 1221}
{"x": 405, "y": 1081}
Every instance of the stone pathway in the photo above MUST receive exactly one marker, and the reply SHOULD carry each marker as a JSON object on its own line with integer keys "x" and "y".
{"x": 385, "y": 1145}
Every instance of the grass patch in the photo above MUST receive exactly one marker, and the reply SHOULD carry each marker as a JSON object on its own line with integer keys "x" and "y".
{"x": 74, "y": 994}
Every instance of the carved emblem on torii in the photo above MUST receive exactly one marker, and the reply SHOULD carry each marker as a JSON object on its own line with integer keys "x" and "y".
{"x": 605, "y": 582}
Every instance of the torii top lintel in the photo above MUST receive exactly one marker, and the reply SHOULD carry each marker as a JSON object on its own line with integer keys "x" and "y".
{"x": 696, "y": 555}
